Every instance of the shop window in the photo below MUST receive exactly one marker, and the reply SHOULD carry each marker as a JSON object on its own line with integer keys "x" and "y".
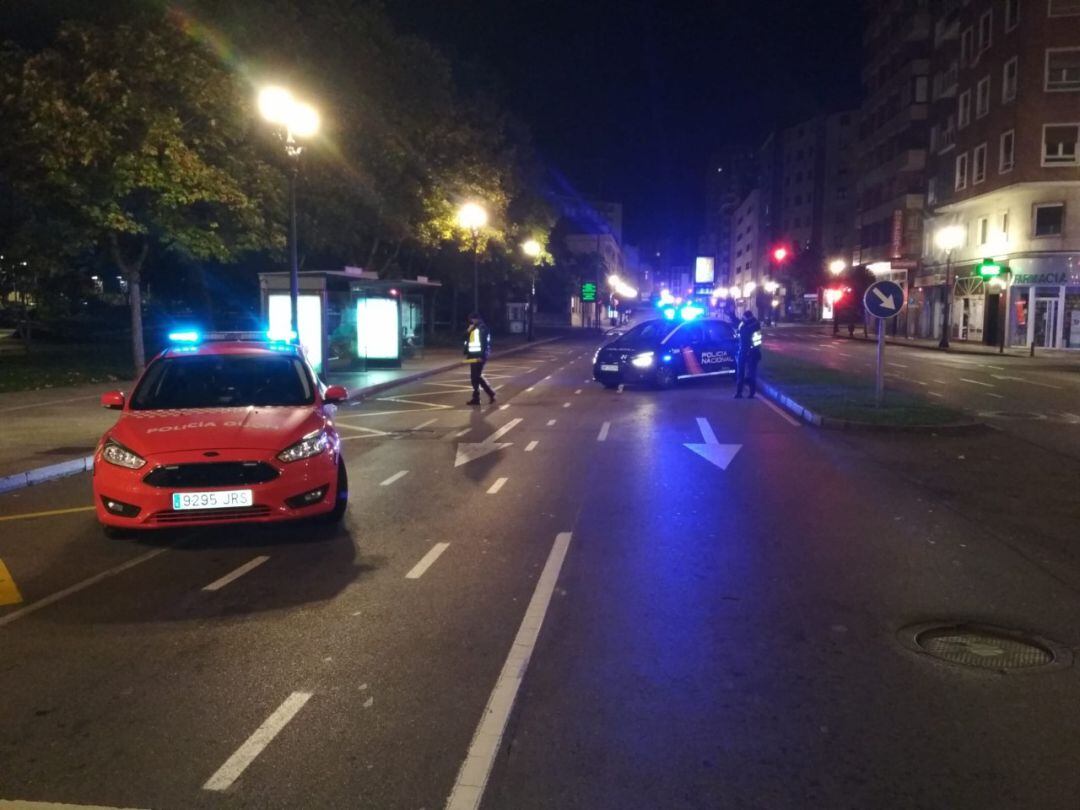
{"x": 1049, "y": 219}
{"x": 1062, "y": 69}
{"x": 1009, "y": 76}
{"x": 1007, "y": 153}
{"x": 982, "y": 98}
{"x": 1059, "y": 144}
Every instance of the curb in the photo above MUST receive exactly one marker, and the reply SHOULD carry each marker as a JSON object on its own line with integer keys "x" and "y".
{"x": 904, "y": 343}
{"x": 361, "y": 393}
{"x": 63, "y": 469}
{"x": 828, "y": 423}
{"x": 40, "y": 475}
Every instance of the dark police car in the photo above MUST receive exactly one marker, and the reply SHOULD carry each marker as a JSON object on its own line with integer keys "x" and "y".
{"x": 663, "y": 351}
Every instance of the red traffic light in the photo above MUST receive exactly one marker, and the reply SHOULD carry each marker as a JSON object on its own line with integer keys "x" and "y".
{"x": 780, "y": 253}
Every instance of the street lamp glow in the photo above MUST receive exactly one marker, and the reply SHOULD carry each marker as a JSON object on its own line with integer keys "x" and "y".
{"x": 771, "y": 287}
{"x": 472, "y": 216}
{"x": 949, "y": 238}
{"x": 837, "y": 266}
{"x": 748, "y": 288}
{"x": 278, "y": 106}
{"x": 532, "y": 249}
{"x": 613, "y": 281}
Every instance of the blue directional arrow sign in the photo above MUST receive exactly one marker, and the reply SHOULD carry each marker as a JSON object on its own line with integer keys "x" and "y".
{"x": 884, "y": 299}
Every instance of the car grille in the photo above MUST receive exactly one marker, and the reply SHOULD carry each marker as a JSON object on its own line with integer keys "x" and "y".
{"x": 193, "y": 515}
{"x": 215, "y": 474}
{"x": 613, "y": 355}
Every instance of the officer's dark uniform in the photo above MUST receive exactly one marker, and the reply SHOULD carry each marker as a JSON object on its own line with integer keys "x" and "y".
{"x": 749, "y": 354}
{"x": 477, "y": 350}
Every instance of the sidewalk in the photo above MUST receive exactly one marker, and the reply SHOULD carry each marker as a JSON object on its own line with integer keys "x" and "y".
{"x": 52, "y": 433}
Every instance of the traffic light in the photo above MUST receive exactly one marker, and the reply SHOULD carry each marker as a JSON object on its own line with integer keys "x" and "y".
{"x": 780, "y": 254}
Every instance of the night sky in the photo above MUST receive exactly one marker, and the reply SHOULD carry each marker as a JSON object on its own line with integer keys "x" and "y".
{"x": 628, "y": 98}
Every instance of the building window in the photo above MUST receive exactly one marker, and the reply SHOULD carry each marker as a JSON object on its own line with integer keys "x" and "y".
{"x": 931, "y": 191}
{"x": 961, "y": 171}
{"x": 1059, "y": 144}
{"x": 986, "y": 27}
{"x": 1007, "y": 155}
{"x": 982, "y": 230}
{"x": 1064, "y": 8}
{"x": 1008, "y": 80}
{"x": 1005, "y": 225}
{"x": 963, "y": 116}
{"x": 1063, "y": 69}
{"x": 978, "y": 164}
{"x": 1049, "y": 219}
{"x": 1012, "y": 14}
{"x": 982, "y": 98}
{"x": 967, "y": 46}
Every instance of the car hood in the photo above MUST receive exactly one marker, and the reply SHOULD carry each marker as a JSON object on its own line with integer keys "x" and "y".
{"x": 252, "y": 428}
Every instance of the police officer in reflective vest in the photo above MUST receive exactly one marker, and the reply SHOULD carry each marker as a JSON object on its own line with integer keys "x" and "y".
{"x": 477, "y": 349}
{"x": 749, "y": 354}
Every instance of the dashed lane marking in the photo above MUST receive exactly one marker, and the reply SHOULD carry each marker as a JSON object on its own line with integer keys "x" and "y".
{"x": 33, "y": 607}
{"x": 250, "y": 565}
{"x": 531, "y": 446}
{"x": 566, "y": 404}
{"x": 395, "y": 477}
{"x": 9, "y": 591}
{"x": 494, "y": 488}
{"x": 254, "y": 745}
{"x": 992, "y": 394}
{"x": 603, "y": 434}
{"x": 427, "y": 560}
{"x": 423, "y": 425}
{"x": 976, "y": 382}
{"x": 936, "y": 394}
{"x": 48, "y": 513}
{"x": 551, "y": 422}
{"x": 471, "y": 780}
{"x": 578, "y": 391}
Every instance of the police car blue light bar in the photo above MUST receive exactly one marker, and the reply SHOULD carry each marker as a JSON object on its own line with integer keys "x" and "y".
{"x": 282, "y": 335}
{"x": 185, "y": 336}
{"x": 689, "y": 312}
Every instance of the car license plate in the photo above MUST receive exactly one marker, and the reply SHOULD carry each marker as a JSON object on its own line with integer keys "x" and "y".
{"x": 609, "y": 367}
{"x": 222, "y": 499}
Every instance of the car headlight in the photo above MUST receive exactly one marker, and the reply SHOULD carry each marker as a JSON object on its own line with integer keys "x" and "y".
{"x": 115, "y": 453}
{"x": 311, "y": 445}
{"x": 643, "y": 360}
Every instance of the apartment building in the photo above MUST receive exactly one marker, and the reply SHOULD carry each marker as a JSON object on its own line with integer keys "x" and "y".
{"x": 1004, "y": 174}
{"x": 893, "y": 141}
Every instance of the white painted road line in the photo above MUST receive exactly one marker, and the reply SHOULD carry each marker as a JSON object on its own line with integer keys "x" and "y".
{"x": 426, "y": 561}
{"x": 992, "y": 394}
{"x": 395, "y": 477}
{"x": 472, "y": 778}
{"x": 898, "y": 365}
{"x": 461, "y": 433}
{"x": 531, "y": 446}
{"x": 941, "y": 382}
{"x": 551, "y": 422}
{"x": 530, "y": 388}
{"x": 496, "y": 486}
{"x": 504, "y": 406}
{"x": 423, "y": 425}
{"x": 79, "y": 586}
{"x": 620, "y": 388}
{"x": 566, "y": 404}
{"x": 21, "y": 805}
{"x": 578, "y": 391}
{"x": 936, "y": 394}
{"x": 787, "y": 417}
{"x": 250, "y": 565}
{"x": 975, "y": 382}
{"x": 254, "y": 745}
{"x": 602, "y": 435}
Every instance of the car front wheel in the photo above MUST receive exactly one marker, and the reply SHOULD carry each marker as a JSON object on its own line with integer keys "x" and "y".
{"x": 665, "y": 377}
{"x": 341, "y": 501}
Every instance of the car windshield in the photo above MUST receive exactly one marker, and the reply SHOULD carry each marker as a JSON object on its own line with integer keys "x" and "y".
{"x": 223, "y": 381}
{"x": 645, "y": 334}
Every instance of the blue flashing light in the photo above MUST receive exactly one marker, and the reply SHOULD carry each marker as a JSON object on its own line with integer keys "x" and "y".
{"x": 666, "y": 358}
{"x": 669, "y": 313}
{"x": 689, "y": 312}
{"x": 282, "y": 336}
{"x": 186, "y": 336}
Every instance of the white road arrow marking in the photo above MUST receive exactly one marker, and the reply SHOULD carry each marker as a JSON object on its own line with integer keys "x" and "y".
{"x": 467, "y": 451}
{"x": 886, "y": 300}
{"x": 712, "y": 451}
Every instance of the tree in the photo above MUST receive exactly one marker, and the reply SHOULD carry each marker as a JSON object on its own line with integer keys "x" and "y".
{"x": 134, "y": 138}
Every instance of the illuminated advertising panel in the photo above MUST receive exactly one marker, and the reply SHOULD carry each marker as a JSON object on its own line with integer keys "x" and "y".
{"x": 705, "y": 270}
{"x": 309, "y": 321}
{"x": 378, "y": 329}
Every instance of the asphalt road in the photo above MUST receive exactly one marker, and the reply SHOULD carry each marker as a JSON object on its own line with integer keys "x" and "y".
{"x": 592, "y": 615}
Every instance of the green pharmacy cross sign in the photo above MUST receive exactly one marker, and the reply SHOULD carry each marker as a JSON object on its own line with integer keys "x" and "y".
{"x": 588, "y": 292}
{"x": 990, "y": 269}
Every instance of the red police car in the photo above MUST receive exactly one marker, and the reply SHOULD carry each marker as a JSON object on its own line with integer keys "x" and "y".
{"x": 228, "y": 428}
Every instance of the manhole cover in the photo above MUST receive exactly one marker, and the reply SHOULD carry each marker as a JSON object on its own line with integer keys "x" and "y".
{"x": 983, "y": 647}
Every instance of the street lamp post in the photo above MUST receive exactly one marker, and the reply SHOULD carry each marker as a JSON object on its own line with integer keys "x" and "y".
{"x": 295, "y": 120}
{"x": 948, "y": 239}
{"x": 472, "y": 217}
{"x": 532, "y": 249}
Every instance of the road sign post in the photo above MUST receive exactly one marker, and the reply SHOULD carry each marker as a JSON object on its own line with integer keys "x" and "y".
{"x": 883, "y": 300}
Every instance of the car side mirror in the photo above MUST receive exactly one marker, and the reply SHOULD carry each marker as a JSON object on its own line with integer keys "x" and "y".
{"x": 113, "y": 400}
{"x": 335, "y": 393}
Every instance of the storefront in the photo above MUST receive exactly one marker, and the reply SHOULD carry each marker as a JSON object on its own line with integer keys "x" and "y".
{"x": 1044, "y": 302}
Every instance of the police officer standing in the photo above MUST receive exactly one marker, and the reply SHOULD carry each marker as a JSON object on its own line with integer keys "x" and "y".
{"x": 477, "y": 350}
{"x": 746, "y": 363}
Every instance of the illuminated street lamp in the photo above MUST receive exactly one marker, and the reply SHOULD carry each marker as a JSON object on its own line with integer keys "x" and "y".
{"x": 837, "y": 266}
{"x": 472, "y": 217}
{"x": 533, "y": 250}
{"x": 294, "y": 119}
{"x": 948, "y": 239}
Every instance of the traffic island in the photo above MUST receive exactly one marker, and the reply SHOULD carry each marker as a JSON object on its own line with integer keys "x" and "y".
{"x": 838, "y": 400}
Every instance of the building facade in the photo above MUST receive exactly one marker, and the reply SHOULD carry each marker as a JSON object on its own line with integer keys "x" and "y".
{"x": 1005, "y": 173}
{"x": 893, "y": 143}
